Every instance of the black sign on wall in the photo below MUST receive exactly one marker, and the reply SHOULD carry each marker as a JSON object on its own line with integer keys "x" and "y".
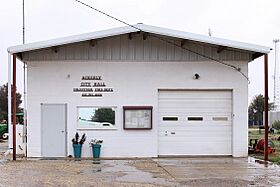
{"x": 92, "y": 86}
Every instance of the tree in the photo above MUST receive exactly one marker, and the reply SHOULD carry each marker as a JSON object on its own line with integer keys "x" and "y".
{"x": 256, "y": 109}
{"x": 104, "y": 115}
{"x": 4, "y": 102}
{"x": 276, "y": 125}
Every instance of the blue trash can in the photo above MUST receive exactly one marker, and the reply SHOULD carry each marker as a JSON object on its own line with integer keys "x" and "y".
{"x": 77, "y": 150}
{"x": 96, "y": 150}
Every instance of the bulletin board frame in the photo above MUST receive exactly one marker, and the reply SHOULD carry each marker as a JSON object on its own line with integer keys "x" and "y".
{"x": 143, "y": 122}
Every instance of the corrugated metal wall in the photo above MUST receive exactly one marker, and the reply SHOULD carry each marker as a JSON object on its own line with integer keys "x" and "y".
{"x": 136, "y": 48}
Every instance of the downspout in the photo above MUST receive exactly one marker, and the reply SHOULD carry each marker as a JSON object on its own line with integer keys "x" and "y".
{"x": 24, "y": 109}
{"x": 266, "y": 107}
{"x": 24, "y": 84}
{"x": 14, "y": 108}
{"x": 10, "y": 102}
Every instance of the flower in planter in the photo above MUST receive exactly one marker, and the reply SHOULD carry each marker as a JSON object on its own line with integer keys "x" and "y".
{"x": 77, "y": 145}
{"x": 95, "y": 141}
{"x": 96, "y": 145}
{"x": 76, "y": 140}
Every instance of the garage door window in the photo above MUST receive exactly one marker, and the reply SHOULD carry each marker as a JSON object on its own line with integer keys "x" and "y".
{"x": 169, "y": 118}
{"x": 195, "y": 118}
{"x": 219, "y": 118}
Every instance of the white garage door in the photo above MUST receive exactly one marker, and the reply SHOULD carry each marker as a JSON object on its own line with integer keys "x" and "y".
{"x": 195, "y": 122}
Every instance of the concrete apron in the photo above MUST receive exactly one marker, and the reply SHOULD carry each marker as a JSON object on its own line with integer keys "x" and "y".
{"x": 221, "y": 171}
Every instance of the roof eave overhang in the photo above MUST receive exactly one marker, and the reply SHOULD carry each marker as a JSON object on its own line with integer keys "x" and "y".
{"x": 256, "y": 50}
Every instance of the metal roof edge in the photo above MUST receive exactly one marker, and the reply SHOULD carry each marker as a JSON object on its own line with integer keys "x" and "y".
{"x": 206, "y": 39}
{"x": 144, "y": 28}
{"x": 70, "y": 39}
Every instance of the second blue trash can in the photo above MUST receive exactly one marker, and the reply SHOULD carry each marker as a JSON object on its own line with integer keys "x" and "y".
{"x": 96, "y": 150}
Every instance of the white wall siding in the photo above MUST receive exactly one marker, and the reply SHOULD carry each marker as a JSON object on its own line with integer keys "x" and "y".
{"x": 121, "y": 48}
{"x": 134, "y": 83}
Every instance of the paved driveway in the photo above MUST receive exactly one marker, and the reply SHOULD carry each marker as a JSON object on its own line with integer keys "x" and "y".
{"x": 223, "y": 171}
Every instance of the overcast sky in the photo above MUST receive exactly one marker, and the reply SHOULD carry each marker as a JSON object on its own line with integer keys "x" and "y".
{"x": 252, "y": 21}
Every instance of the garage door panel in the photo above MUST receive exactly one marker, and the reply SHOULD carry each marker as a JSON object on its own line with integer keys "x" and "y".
{"x": 195, "y": 94}
{"x": 200, "y": 148}
{"x": 204, "y": 107}
{"x": 198, "y": 128}
{"x": 195, "y": 104}
{"x": 206, "y": 129}
{"x": 211, "y": 130}
{"x": 195, "y": 141}
{"x": 206, "y": 116}
{"x": 198, "y": 110}
{"x": 193, "y": 100}
{"x": 184, "y": 122}
{"x": 185, "y": 117}
{"x": 185, "y": 135}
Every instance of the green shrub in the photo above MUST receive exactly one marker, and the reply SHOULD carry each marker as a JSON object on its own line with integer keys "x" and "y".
{"x": 276, "y": 125}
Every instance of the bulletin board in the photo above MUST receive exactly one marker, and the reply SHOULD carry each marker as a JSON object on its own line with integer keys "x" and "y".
{"x": 137, "y": 117}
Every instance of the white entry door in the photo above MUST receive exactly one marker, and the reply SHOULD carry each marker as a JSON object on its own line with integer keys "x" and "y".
{"x": 195, "y": 122}
{"x": 53, "y": 130}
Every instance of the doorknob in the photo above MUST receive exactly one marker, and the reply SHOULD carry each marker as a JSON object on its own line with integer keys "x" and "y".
{"x": 62, "y": 131}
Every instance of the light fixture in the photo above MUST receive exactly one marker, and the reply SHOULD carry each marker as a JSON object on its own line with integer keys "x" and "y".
{"x": 196, "y": 76}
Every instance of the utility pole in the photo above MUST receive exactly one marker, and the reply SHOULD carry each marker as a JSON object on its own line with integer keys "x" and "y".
{"x": 23, "y": 23}
{"x": 276, "y": 78}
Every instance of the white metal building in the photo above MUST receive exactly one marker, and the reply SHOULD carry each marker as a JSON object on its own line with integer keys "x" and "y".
{"x": 162, "y": 92}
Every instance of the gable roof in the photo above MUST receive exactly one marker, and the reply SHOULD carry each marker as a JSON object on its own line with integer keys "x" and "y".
{"x": 142, "y": 27}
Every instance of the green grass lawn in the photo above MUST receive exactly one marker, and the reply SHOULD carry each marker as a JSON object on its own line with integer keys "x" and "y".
{"x": 256, "y": 134}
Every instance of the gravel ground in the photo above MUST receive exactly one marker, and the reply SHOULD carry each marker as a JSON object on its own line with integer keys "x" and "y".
{"x": 3, "y": 146}
{"x": 75, "y": 173}
{"x": 139, "y": 172}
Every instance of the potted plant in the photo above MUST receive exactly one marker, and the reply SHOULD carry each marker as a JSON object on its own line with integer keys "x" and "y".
{"x": 77, "y": 144}
{"x": 96, "y": 145}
